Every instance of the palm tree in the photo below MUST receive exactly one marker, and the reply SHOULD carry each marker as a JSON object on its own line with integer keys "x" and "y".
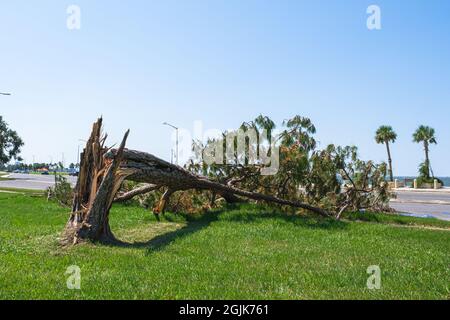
{"x": 425, "y": 135}
{"x": 385, "y": 134}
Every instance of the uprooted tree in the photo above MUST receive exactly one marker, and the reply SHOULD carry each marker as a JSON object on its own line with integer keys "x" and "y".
{"x": 103, "y": 170}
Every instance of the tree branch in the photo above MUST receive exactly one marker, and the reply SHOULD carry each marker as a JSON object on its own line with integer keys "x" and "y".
{"x": 136, "y": 192}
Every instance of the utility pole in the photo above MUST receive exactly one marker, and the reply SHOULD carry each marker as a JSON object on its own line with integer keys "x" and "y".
{"x": 176, "y": 128}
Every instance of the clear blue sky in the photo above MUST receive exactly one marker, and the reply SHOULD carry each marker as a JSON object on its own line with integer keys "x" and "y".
{"x": 140, "y": 63}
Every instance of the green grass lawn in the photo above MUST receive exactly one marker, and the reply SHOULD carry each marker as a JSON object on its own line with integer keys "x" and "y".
{"x": 30, "y": 192}
{"x": 245, "y": 252}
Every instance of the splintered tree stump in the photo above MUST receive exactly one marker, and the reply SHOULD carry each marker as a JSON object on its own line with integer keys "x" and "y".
{"x": 98, "y": 182}
{"x": 103, "y": 170}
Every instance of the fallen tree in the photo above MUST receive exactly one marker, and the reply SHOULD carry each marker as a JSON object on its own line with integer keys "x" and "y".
{"x": 102, "y": 171}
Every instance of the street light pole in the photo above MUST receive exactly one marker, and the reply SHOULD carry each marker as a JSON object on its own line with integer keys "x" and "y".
{"x": 176, "y": 128}
{"x": 78, "y": 156}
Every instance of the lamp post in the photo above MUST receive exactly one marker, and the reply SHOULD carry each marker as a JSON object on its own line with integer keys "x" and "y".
{"x": 176, "y": 128}
{"x": 78, "y": 156}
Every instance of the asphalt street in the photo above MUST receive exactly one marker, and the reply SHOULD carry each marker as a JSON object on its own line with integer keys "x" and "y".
{"x": 424, "y": 204}
{"x": 32, "y": 181}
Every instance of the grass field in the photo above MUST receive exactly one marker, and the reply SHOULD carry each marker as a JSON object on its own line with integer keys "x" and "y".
{"x": 30, "y": 192}
{"x": 245, "y": 252}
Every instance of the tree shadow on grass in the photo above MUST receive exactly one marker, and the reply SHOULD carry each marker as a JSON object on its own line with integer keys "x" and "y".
{"x": 234, "y": 215}
{"x": 307, "y": 220}
{"x": 159, "y": 242}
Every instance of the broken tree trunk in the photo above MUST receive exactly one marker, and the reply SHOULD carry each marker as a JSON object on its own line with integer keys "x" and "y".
{"x": 102, "y": 172}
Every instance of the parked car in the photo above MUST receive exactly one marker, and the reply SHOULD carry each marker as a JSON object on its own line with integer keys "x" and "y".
{"x": 45, "y": 173}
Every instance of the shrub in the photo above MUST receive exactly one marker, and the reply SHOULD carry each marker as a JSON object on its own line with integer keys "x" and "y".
{"x": 62, "y": 192}
{"x": 423, "y": 180}
{"x": 424, "y": 177}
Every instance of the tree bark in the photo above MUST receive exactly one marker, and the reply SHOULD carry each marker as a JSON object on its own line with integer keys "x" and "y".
{"x": 161, "y": 207}
{"x": 427, "y": 158}
{"x": 98, "y": 182}
{"x": 147, "y": 168}
{"x": 391, "y": 174}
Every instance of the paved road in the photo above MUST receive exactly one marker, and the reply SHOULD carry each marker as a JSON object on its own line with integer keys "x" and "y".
{"x": 431, "y": 197}
{"x": 423, "y": 204}
{"x": 32, "y": 181}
